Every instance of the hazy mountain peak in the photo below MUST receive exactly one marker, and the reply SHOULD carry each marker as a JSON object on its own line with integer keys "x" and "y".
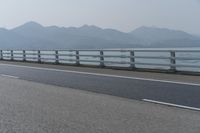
{"x": 30, "y": 25}
{"x": 90, "y": 27}
{"x": 153, "y": 35}
{"x": 29, "y": 29}
{"x": 150, "y": 29}
{"x": 142, "y": 28}
{"x": 154, "y": 29}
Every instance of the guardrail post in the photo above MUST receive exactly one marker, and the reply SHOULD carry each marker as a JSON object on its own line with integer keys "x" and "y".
{"x": 57, "y": 57}
{"x": 77, "y": 58}
{"x": 173, "y": 61}
{"x": 102, "y": 59}
{"x": 24, "y": 55}
{"x": 132, "y": 59}
{"x": 1, "y": 54}
{"x": 39, "y": 56}
{"x": 11, "y": 55}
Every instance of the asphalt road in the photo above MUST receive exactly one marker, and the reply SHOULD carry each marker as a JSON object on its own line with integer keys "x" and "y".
{"x": 181, "y": 94}
{"x": 30, "y": 107}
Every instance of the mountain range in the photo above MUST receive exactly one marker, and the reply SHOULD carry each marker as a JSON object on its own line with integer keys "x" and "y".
{"x": 32, "y": 35}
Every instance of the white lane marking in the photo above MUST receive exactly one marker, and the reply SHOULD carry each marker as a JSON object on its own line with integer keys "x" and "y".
{"x": 172, "y": 105}
{"x": 9, "y": 76}
{"x": 105, "y": 75}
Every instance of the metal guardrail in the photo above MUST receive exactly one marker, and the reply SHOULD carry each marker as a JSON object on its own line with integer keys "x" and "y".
{"x": 130, "y": 56}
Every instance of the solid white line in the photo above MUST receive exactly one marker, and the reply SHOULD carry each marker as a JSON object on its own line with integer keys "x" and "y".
{"x": 10, "y": 76}
{"x": 105, "y": 75}
{"x": 170, "y": 104}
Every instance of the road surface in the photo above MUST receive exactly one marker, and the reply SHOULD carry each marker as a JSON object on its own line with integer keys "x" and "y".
{"x": 177, "y": 93}
{"x": 30, "y": 107}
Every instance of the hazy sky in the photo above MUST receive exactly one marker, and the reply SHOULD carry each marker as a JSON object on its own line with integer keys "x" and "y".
{"x": 124, "y": 15}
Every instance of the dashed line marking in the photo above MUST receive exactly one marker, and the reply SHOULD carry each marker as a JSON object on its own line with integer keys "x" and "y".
{"x": 171, "y": 104}
{"x": 9, "y": 76}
